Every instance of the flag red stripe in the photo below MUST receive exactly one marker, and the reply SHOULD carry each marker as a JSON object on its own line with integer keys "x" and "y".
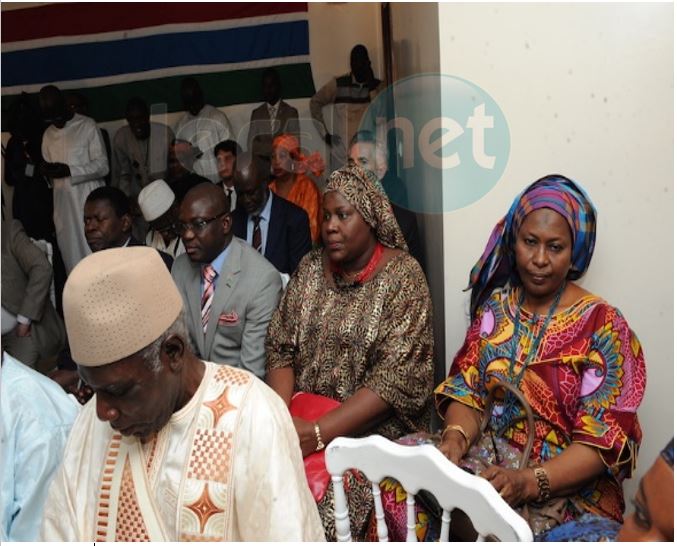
{"x": 92, "y": 18}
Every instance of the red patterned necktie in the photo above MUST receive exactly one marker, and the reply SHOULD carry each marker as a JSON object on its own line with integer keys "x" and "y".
{"x": 208, "y": 276}
{"x": 256, "y": 239}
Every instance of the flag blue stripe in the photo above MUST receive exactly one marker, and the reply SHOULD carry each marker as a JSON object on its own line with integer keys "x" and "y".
{"x": 128, "y": 56}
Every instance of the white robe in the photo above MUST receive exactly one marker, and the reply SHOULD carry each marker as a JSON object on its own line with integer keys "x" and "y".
{"x": 80, "y": 146}
{"x": 264, "y": 493}
{"x": 175, "y": 247}
{"x": 205, "y": 131}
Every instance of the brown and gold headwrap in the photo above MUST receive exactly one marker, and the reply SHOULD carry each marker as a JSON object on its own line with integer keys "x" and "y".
{"x": 363, "y": 191}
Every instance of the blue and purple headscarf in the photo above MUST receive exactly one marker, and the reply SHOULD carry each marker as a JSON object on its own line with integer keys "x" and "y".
{"x": 556, "y": 192}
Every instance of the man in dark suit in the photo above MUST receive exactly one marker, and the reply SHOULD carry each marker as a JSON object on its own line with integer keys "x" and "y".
{"x": 108, "y": 222}
{"x": 283, "y": 228}
{"x": 271, "y": 119}
{"x": 226, "y": 153}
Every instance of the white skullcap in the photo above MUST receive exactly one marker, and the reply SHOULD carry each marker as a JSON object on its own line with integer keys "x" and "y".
{"x": 155, "y": 199}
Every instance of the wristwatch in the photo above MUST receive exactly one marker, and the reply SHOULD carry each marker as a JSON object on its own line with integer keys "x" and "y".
{"x": 543, "y": 484}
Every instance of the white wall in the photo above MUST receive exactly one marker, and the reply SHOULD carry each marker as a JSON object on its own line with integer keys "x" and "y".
{"x": 587, "y": 92}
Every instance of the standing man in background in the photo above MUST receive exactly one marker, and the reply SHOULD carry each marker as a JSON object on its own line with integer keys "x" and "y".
{"x": 76, "y": 163}
{"x": 139, "y": 156}
{"x": 139, "y": 149}
{"x": 271, "y": 119}
{"x": 350, "y": 96}
{"x": 180, "y": 174}
{"x": 203, "y": 126}
{"x": 77, "y": 103}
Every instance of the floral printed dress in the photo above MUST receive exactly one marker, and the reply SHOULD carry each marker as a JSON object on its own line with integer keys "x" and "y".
{"x": 584, "y": 385}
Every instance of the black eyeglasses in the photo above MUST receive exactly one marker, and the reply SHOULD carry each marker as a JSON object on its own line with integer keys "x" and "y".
{"x": 196, "y": 226}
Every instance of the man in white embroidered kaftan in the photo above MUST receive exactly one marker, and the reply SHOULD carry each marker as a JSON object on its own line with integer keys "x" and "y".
{"x": 170, "y": 448}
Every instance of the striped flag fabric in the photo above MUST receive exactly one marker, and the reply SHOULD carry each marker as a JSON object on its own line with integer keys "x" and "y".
{"x": 110, "y": 52}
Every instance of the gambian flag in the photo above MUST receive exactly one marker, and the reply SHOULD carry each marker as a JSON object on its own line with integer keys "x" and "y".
{"x": 111, "y": 52}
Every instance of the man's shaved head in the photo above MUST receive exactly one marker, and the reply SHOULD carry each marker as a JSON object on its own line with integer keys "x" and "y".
{"x": 210, "y": 192}
{"x": 191, "y": 95}
{"x": 51, "y": 93}
{"x": 251, "y": 184}
{"x": 205, "y": 222}
{"x": 53, "y": 106}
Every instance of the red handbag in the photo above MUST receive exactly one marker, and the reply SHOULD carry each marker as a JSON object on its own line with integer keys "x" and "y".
{"x": 311, "y": 407}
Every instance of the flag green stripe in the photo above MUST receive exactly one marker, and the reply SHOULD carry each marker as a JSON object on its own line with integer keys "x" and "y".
{"x": 107, "y": 103}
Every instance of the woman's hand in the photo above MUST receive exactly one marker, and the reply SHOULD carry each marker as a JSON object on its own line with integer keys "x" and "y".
{"x": 453, "y": 446}
{"x": 454, "y": 443}
{"x": 307, "y": 438}
{"x": 515, "y": 486}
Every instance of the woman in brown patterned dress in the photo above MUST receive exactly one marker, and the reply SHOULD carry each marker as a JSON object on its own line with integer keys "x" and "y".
{"x": 355, "y": 325}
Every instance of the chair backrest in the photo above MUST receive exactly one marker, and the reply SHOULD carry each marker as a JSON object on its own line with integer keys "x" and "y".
{"x": 417, "y": 468}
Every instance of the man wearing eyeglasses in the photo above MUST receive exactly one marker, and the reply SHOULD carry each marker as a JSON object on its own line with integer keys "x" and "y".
{"x": 230, "y": 290}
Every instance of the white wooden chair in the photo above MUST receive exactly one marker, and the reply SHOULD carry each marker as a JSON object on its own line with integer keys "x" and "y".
{"x": 417, "y": 468}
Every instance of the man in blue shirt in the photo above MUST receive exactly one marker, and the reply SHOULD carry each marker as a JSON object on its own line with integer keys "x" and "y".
{"x": 230, "y": 290}
{"x": 36, "y": 416}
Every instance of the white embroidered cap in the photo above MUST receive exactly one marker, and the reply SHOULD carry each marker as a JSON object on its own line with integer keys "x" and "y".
{"x": 117, "y": 302}
{"x": 155, "y": 199}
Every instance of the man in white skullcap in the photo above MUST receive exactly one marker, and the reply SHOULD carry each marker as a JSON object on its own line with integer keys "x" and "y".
{"x": 170, "y": 448}
{"x": 160, "y": 209}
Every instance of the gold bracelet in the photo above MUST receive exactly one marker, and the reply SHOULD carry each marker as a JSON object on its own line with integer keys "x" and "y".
{"x": 320, "y": 443}
{"x": 461, "y": 430}
{"x": 543, "y": 484}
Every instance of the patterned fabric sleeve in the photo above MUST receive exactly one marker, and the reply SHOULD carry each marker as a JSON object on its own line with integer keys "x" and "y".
{"x": 464, "y": 383}
{"x": 612, "y": 387}
{"x": 282, "y": 339}
{"x": 402, "y": 373}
